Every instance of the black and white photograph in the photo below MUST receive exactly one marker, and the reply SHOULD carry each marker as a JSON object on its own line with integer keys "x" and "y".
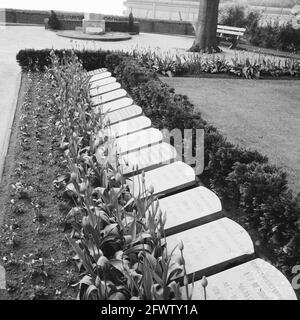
{"x": 149, "y": 151}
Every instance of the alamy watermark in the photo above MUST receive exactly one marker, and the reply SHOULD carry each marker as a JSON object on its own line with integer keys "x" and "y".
{"x": 186, "y": 146}
{"x": 296, "y": 278}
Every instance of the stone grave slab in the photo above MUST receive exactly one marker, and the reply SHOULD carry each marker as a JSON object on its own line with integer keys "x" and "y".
{"x": 93, "y": 72}
{"x": 124, "y": 114}
{"x": 110, "y": 96}
{"x": 138, "y": 140}
{"x": 147, "y": 158}
{"x": 99, "y": 76}
{"x": 112, "y": 106}
{"x": 165, "y": 180}
{"x": 190, "y": 208}
{"x": 130, "y": 126}
{"x": 212, "y": 247}
{"x": 106, "y": 88}
{"x": 102, "y": 82}
{"x": 253, "y": 280}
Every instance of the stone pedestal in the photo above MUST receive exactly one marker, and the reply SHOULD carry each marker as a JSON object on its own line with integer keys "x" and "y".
{"x": 93, "y": 24}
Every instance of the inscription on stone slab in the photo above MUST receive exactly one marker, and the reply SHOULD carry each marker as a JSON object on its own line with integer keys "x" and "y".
{"x": 138, "y": 140}
{"x": 124, "y": 114}
{"x": 99, "y": 76}
{"x": 99, "y": 83}
{"x": 125, "y": 127}
{"x": 103, "y": 89}
{"x": 93, "y": 72}
{"x": 210, "y": 248}
{"x": 148, "y": 158}
{"x": 253, "y": 280}
{"x": 106, "y": 97}
{"x": 190, "y": 208}
{"x": 166, "y": 179}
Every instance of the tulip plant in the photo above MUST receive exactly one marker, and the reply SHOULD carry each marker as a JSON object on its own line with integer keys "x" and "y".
{"x": 119, "y": 239}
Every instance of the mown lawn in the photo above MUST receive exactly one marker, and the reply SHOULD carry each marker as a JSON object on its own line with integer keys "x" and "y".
{"x": 262, "y": 115}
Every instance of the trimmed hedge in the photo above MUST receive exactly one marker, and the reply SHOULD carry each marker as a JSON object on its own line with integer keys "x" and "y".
{"x": 241, "y": 175}
{"x": 38, "y": 60}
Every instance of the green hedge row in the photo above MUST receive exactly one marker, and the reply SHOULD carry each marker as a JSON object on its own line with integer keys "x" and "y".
{"x": 242, "y": 175}
{"x": 37, "y": 60}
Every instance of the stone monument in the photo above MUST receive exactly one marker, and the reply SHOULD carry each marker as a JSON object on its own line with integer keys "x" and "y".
{"x": 93, "y": 23}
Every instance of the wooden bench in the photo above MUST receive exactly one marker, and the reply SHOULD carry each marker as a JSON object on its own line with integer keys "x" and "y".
{"x": 232, "y": 34}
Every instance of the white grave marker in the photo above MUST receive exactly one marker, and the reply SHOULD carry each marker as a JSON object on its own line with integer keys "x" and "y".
{"x": 114, "y": 105}
{"x": 190, "y": 208}
{"x": 110, "y": 96}
{"x": 166, "y": 179}
{"x": 138, "y": 140}
{"x": 212, "y": 247}
{"x": 253, "y": 280}
{"x": 126, "y": 127}
{"x": 93, "y": 72}
{"x": 147, "y": 158}
{"x": 103, "y": 89}
{"x": 99, "y": 83}
{"x": 99, "y": 76}
{"x": 123, "y": 114}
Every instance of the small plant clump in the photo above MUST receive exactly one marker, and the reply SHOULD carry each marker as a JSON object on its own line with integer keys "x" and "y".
{"x": 53, "y": 21}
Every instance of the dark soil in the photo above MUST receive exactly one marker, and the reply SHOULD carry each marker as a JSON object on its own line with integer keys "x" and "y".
{"x": 33, "y": 249}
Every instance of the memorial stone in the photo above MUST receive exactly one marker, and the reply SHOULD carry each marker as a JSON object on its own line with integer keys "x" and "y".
{"x": 114, "y": 105}
{"x": 103, "y": 89}
{"x": 190, "y": 208}
{"x": 147, "y": 158}
{"x": 99, "y": 83}
{"x": 99, "y": 76}
{"x": 253, "y": 280}
{"x": 165, "y": 180}
{"x": 110, "y": 96}
{"x": 129, "y": 126}
{"x": 138, "y": 140}
{"x": 212, "y": 247}
{"x": 124, "y": 114}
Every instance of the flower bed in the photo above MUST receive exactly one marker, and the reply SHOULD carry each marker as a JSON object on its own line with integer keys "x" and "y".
{"x": 166, "y": 63}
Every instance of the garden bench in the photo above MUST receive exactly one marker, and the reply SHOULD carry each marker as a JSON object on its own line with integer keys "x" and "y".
{"x": 232, "y": 34}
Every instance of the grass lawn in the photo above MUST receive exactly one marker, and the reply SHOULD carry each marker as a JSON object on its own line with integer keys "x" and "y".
{"x": 262, "y": 115}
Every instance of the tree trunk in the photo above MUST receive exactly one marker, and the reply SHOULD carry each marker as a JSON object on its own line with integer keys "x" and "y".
{"x": 206, "y": 27}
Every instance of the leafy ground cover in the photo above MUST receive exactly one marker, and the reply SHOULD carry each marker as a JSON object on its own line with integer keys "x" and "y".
{"x": 33, "y": 248}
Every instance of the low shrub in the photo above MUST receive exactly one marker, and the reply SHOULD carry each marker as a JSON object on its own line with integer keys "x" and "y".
{"x": 53, "y": 22}
{"x": 130, "y": 22}
{"x": 39, "y": 60}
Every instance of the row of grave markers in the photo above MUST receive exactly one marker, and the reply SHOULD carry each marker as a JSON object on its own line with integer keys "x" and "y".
{"x": 214, "y": 245}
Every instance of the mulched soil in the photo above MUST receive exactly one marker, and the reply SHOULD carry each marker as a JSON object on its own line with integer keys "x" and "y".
{"x": 33, "y": 249}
